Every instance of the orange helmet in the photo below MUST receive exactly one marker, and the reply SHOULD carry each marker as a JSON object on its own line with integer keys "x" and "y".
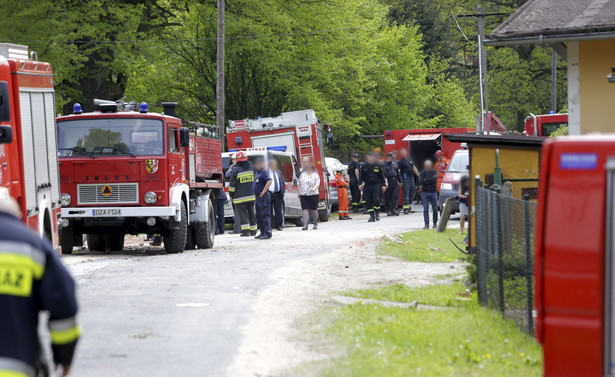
{"x": 240, "y": 156}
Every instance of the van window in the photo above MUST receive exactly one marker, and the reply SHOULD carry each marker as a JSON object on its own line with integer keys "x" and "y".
{"x": 296, "y": 165}
{"x": 285, "y": 164}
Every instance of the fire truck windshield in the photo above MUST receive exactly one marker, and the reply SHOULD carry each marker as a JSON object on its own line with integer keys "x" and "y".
{"x": 110, "y": 137}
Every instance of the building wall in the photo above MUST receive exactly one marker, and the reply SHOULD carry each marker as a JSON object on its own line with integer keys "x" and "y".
{"x": 596, "y": 97}
{"x": 574, "y": 106}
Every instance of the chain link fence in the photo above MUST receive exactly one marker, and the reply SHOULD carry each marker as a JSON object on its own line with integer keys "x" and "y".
{"x": 505, "y": 255}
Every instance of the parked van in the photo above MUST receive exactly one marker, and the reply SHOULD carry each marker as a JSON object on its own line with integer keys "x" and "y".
{"x": 287, "y": 163}
{"x": 457, "y": 168}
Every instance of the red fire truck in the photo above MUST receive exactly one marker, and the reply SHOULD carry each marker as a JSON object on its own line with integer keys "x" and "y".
{"x": 124, "y": 170}
{"x": 299, "y": 131}
{"x": 29, "y": 164}
{"x": 544, "y": 125}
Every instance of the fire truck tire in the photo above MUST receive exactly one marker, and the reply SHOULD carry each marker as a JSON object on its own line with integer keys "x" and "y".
{"x": 96, "y": 242}
{"x": 114, "y": 241}
{"x": 67, "y": 240}
{"x": 190, "y": 241}
{"x": 324, "y": 214}
{"x": 175, "y": 242}
{"x": 205, "y": 231}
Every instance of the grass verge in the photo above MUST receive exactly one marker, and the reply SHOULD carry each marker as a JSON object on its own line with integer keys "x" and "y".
{"x": 463, "y": 341}
{"x": 424, "y": 246}
{"x": 446, "y": 295}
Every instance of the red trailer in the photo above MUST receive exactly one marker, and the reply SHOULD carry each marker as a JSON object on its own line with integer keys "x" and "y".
{"x": 29, "y": 164}
{"x": 299, "y": 132}
{"x": 574, "y": 263}
{"x": 423, "y": 143}
{"x": 124, "y": 170}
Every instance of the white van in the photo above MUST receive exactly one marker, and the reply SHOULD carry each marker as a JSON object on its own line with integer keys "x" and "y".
{"x": 287, "y": 163}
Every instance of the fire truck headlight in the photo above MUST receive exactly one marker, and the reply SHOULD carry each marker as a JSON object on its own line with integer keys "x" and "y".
{"x": 446, "y": 186}
{"x": 150, "y": 197}
{"x": 65, "y": 200}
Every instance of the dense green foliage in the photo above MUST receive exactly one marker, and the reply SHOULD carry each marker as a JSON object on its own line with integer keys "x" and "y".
{"x": 363, "y": 65}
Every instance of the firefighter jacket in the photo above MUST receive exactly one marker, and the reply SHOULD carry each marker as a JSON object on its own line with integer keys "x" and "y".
{"x": 340, "y": 182}
{"x": 372, "y": 174}
{"x": 391, "y": 172}
{"x": 32, "y": 279}
{"x": 240, "y": 186}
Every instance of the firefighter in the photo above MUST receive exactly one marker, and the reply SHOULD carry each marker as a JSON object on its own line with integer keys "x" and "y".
{"x": 441, "y": 166}
{"x": 391, "y": 196}
{"x": 32, "y": 279}
{"x": 373, "y": 184}
{"x": 260, "y": 188}
{"x": 408, "y": 173}
{"x": 240, "y": 191}
{"x": 353, "y": 172}
{"x": 342, "y": 195}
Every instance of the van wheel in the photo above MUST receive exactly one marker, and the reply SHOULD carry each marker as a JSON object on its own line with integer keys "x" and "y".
{"x": 96, "y": 242}
{"x": 298, "y": 221}
{"x": 67, "y": 239}
{"x": 175, "y": 242}
{"x": 206, "y": 231}
{"x": 114, "y": 241}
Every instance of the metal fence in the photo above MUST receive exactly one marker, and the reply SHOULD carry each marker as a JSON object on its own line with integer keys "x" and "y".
{"x": 505, "y": 255}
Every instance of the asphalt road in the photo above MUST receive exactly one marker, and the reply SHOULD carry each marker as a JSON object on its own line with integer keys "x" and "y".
{"x": 144, "y": 313}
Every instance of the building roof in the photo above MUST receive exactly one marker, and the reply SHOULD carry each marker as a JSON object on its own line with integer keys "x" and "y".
{"x": 557, "y": 21}
{"x": 520, "y": 141}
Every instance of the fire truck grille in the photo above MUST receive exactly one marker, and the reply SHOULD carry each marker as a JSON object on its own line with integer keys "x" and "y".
{"x": 118, "y": 193}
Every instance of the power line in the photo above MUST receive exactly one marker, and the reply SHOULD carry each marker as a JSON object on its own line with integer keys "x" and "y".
{"x": 462, "y": 33}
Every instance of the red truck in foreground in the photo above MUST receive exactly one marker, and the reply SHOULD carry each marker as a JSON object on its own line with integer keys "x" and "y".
{"x": 28, "y": 159}
{"x": 125, "y": 170}
{"x": 299, "y": 132}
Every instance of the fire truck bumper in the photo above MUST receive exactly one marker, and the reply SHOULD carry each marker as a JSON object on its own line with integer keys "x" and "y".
{"x": 96, "y": 212}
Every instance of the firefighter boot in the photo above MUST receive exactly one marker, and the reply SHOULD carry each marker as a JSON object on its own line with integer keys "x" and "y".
{"x": 377, "y": 214}
{"x": 245, "y": 233}
{"x": 371, "y": 217}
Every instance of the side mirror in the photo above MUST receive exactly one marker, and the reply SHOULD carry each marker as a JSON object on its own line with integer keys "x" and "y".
{"x": 5, "y": 108}
{"x": 6, "y": 134}
{"x": 184, "y": 137}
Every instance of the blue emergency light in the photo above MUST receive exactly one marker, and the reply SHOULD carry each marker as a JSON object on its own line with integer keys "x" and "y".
{"x": 551, "y": 112}
{"x": 77, "y": 108}
{"x": 278, "y": 148}
{"x": 143, "y": 107}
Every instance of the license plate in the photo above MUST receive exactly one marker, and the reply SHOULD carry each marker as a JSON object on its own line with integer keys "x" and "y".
{"x": 107, "y": 212}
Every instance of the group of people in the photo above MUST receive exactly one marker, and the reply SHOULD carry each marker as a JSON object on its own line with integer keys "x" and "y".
{"x": 375, "y": 181}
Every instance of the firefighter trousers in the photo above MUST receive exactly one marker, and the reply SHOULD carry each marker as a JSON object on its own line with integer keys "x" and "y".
{"x": 247, "y": 220}
{"x": 342, "y": 195}
{"x": 408, "y": 191}
{"x": 371, "y": 195}
{"x": 391, "y": 197}
{"x": 355, "y": 193}
{"x": 263, "y": 214}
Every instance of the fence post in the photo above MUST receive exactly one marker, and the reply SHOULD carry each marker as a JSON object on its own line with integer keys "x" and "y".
{"x": 496, "y": 247}
{"x": 529, "y": 265}
{"x": 480, "y": 255}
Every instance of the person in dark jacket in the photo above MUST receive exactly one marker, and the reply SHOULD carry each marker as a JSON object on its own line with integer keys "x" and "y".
{"x": 260, "y": 188}
{"x": 354, "y": 173}
{"x": 277, "y": 190}
{"x": 219, "y": 200}
{"x": 373, "y": 183}
{"x": 32, "y": 279}
{"x": 408, "y": 173}
{"x": 240, "y": 191}
{"x": 428, "y": 179}
{"x": 391, "y": 196}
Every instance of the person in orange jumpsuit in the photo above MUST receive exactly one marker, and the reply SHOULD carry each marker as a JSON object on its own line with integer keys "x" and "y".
{"x": 441, "y": 166}
{"x": 342, "y": 195}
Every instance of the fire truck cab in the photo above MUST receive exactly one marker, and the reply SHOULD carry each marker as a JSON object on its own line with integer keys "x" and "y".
{"x": 125, "y": 170}
{"x": 544, "y": 125}
{"x": 300, "y": 132}
{"x": 28, "y": 159}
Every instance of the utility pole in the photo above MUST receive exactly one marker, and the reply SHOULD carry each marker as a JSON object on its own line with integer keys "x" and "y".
{"x": 553, "y": 81}
{"x": 482, "y": 61}
{"x": 220, "y": 74}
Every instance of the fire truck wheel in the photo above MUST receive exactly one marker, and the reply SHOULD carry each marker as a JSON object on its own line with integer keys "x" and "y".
{"x": 96, "y": 242}
{"x": 175, "y": 242}
{"x": 205, "y": 232}
{"x": 114, "y": 241}
{"x": 323, "y": 215}
{"x": 67, "y": 239}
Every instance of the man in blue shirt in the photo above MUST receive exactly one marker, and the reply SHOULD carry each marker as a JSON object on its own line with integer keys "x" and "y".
{"x": 260, "y": 187}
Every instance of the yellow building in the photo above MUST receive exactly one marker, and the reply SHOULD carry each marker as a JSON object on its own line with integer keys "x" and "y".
{"x": 582, "y": 32}
{"x": 519, "y": 161}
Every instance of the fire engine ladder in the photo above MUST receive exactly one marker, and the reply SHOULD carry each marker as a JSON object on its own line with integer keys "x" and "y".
{"x": 305, "y": 147}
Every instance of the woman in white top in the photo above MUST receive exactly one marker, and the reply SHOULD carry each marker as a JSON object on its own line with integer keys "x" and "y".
{"x": 309, "y": 192}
